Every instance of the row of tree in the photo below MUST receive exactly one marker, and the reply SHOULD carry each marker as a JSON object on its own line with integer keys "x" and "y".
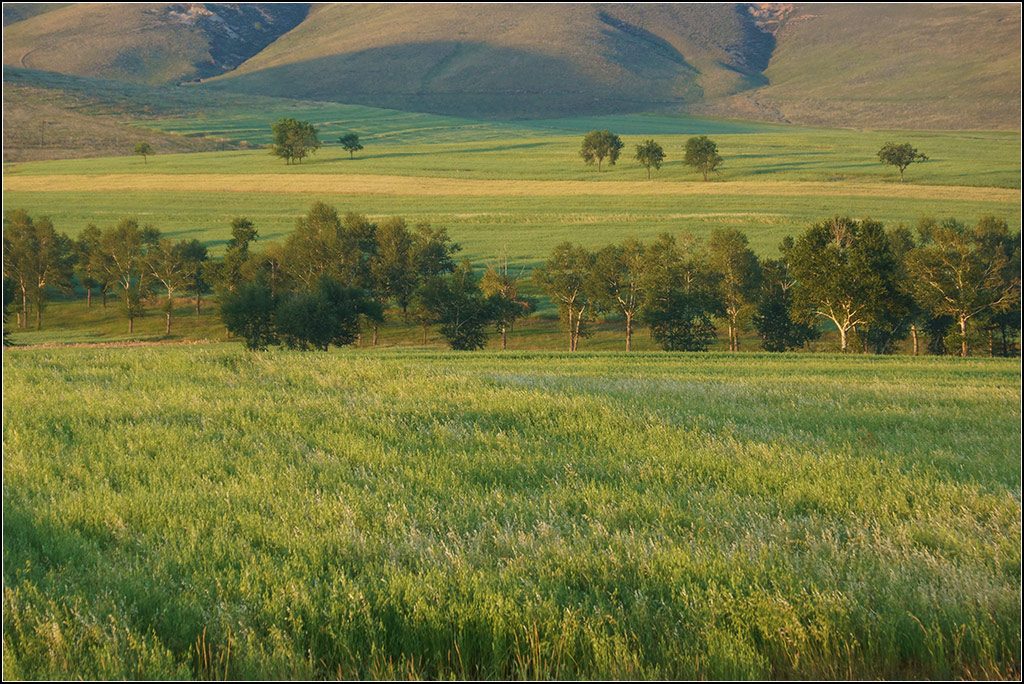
{"x": 876, "y": 285}
{"x": 339, "y": 273}
{"x": 700, "y": 152}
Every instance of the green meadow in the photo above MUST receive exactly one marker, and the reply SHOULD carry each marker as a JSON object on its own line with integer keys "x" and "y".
{"x": 526, "y": 226}
{"x": 203, "y": 512}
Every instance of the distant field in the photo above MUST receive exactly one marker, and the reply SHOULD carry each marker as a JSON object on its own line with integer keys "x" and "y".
{"x": 205, "y": 512}
{"x": 525, "y": 194}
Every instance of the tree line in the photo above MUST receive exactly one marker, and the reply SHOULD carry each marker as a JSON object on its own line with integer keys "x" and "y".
{"x": 335, "y": 275}
{"x": 873, "y": 286}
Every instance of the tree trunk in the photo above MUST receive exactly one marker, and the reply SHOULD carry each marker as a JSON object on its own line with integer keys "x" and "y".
{"x": 913, "y": 333}
{"x": 963, "y": 337}
{"x": 425, "y": 326}
{"x": 39, "y": 317}
{"x": 842, "y": 339}
{"x": 629, "y": 332}
{"x": 374, "y": 334}
{"x": 104, "y": 299}
{"x": 167, "y": 330}
{"x": 131, "y": 325}
{"x": 88, "y": 298}
{"x": 504, "y": 338}
{"x": 198, "y": 297}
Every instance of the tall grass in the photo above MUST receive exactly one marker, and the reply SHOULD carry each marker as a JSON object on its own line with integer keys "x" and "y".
{"x": 209, "y": 513}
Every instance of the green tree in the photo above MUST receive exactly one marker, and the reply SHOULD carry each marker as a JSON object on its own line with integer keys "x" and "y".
{"x": 393, "y": 267}
{"x": 650, "y": 154}
{"x": 961, "y": 272}
{"x": 601, "y": 145}
{"x": 166, "y": 264}
{"x": 248, "y": 313}
{"x": 682, "y": 294}
{"x": 231, "y": 273}
{"x": 509, "y": 304}
{"x": 901, "y": 156}
{"x": 702, "y": 154}
{"x": 124, "y": 248}
{"x": 294, "y": 140}
{"x": 780, "y": 331}
{"x": 85, "y": 248}
{"x": 738, "y": 287}
{"x": 565, "y": 277}
{"x": 36, "y": 258}
{"x": 144, "y": 149}
{"x": 617, "y": 282}
{"x": 196, "y": 269}
{"x": 845, "y": 272}
{"x": 456, "y": 304}
{"x": 350, "y": 142}
{"x": 328, "y": 313}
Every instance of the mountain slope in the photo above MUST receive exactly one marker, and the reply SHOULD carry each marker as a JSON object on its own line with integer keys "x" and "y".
{"x": 153, "y": 43}
{"x": 506, "y": 60}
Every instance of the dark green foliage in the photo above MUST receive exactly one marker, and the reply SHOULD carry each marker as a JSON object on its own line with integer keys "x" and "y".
{"x": 231, "y": 273}
{"x": 650, "y": 154}
{"x": 124, "y": 250}
{"x": 774, "y": 319}
{"x": 702, "y": 154}
{"x": 967, "y": 273}
{"x": 350, "y": 142}
{"x": 455, "y": 303}
{"x": 736, "y": 262}
{"x": 328, "y": 314}
{"x": 617, "y": 282}
{"x": 294, "y": 140}
{"x": 682, "y": 295}
{"x": 680, "y": 321}
{"x": 248, "y": 313}
{"x": 901, "y": 156}
{"x": 845, "y": 271}
{"x": 509, "y": 304}
{"x": 601, "y": 145}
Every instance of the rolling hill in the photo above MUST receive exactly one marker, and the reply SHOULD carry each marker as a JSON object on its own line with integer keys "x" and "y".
{"x": 858, "y": 65}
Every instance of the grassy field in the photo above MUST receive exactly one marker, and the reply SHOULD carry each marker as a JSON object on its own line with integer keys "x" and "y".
{"x": 205, "y": 512}
{"x": 522, "y": 188}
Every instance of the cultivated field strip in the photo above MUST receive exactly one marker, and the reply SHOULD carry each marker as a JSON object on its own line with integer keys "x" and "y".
{"x": 360, "y": 184}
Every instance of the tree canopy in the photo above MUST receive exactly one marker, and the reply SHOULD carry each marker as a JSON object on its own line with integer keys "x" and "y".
{"x": 350, "y": 142}
{"x": 601, "y": 145}
{"x": 650, "y": 154}
{"x": 144, "y": 149}
{"x": 294, "y": 140}
{"x": 702, "y": 154}
{"x": 901, "y": 156}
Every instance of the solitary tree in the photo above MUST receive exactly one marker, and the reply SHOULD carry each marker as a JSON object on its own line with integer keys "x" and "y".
{"x": 901, "y": 156}
{"x": 702, "y": 154}
{"x": 294, "y": 140}
{"x": 144, "y": 150}
{"x": 650, "y": 154}
{"x": 350, "y": 141}
{"x": 601, "y": 145}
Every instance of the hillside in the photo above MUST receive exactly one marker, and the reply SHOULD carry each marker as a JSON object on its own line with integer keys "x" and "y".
{"x": 860, "y": 65}
{"x": 144, "y": 43}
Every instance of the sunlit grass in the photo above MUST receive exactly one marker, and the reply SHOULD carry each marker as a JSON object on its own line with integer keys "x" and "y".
{"x": 205, "y": 512}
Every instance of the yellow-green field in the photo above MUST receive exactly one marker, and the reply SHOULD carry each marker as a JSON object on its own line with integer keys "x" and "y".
{"x": 210, "y": 513}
